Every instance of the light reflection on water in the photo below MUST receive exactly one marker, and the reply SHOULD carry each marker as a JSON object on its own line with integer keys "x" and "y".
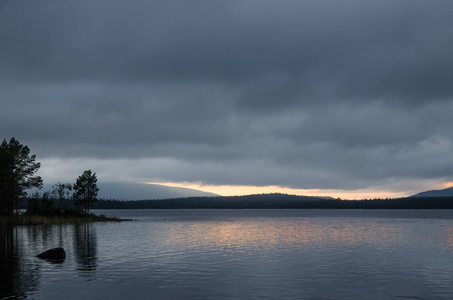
{"x": 232, "y": 254}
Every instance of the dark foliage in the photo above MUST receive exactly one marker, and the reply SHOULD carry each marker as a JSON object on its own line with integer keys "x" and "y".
{"x": 62, "y": 191}
{"x": 85, "y": 190}
{"x": 277, "y": 201}
{"x": 17, "y": 168}
{"x": 45, "y": 205}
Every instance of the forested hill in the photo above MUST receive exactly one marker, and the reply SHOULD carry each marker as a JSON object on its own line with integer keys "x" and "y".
{"x": 436, "y": 193}
{"x": 278, "y": 201}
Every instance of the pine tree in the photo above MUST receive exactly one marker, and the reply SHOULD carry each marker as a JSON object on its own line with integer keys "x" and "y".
{"x": 85, "y": 190}
{"x": 17, "y": 168}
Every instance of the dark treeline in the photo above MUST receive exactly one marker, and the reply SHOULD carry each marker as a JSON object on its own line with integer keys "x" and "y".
{"x": 278, "y": 201}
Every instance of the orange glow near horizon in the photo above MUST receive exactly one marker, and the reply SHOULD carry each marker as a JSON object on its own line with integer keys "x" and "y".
{"x": 448, "y": 184}
{"x": 239, "y": 190}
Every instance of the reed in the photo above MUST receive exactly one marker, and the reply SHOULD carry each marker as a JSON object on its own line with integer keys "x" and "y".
{"x": 24, "y": 219}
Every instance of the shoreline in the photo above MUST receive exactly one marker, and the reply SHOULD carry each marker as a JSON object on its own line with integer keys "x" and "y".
{"x": 24, "y": 220}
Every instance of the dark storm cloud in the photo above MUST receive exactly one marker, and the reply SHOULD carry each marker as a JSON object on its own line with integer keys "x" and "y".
{"x": 310, "y": 94}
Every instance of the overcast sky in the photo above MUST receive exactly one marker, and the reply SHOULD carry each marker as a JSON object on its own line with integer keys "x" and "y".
{"x": 326, "y": 96}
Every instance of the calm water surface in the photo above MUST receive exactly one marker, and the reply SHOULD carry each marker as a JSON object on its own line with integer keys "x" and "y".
{"x": 236, "y": 254}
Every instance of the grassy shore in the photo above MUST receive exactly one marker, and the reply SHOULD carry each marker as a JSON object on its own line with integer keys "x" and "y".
{"x": 26, "y": 219}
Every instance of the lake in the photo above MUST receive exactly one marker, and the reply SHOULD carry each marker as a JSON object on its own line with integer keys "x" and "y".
{"x": 236, "y": 254}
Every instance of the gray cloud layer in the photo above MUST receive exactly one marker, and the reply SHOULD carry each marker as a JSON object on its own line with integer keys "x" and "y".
{"x": 305, "y": 94}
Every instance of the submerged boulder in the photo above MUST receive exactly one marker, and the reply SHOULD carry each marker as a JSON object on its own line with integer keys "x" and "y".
{"x": 55, "y": 253}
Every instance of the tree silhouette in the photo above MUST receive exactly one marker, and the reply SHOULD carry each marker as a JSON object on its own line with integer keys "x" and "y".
{"x": 85, "y": 190}
{"x": 61, "y": 191}
{"x": 17, "y": 168}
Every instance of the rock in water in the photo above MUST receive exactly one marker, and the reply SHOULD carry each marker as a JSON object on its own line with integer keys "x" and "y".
{"x": 55, "y": 253}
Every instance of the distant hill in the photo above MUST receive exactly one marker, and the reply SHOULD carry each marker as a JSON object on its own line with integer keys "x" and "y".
{"x": 436, "y": 193}
{"x": 141, "y": 191}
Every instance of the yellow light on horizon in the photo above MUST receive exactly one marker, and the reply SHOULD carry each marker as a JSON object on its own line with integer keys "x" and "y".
{"x": 239, "y": 190}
